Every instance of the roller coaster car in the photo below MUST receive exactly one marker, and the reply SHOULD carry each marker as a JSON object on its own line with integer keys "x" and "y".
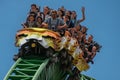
{"x": 45, "y": 43}
{"x": 34, "y": 41}
{"x": 32, "y": 46}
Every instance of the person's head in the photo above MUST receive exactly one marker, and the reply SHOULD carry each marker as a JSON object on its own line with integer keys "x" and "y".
{"x": 78, "y": 27}
{"x": 31, "y": 18}
{"x": 39, "y": 19}
{"x": 90, "y": 38}
{"x": 33, "y": 5}
{"x": 98, "y": 47}
{"x": 46, "y": 10}
{"x": 94, "y": 49}
{"x": 54, "y": 14}
{"x": 73, "y": 15}
{"x": 66, "y": 18}
{"x": 62, "y": 8}
{"x": 60, "y": 13}
{"x": 84, "y": 29}
{"x": 33, "y": 8}
{"x": 33, "y": 13}
{"x": 68, "y": 13}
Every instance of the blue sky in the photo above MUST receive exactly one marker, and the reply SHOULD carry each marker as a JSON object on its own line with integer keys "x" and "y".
{"x": 102, "y": 20}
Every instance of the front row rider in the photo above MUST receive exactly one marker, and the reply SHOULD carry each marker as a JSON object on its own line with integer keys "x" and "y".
{"x": 54, "y": 23}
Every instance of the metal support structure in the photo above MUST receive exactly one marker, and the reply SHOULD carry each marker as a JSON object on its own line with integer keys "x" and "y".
{"x": 30, "y": 69}
{"x": 26, "y": 69}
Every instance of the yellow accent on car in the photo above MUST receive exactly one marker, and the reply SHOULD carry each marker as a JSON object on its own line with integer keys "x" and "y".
{"x": 33, "y": 45}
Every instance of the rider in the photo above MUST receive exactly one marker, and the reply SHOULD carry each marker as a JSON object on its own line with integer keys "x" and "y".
{"x": 54, "y": 23}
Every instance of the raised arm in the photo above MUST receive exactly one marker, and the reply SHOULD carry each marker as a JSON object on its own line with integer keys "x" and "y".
{"x": 83, "y": 15}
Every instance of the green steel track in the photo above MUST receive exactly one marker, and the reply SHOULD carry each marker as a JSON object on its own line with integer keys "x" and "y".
{"x": 31, "y": 69}
{"x": 84, "y": 77}
{"x": 26, "y": 69}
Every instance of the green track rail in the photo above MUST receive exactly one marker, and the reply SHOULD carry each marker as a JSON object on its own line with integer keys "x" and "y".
{"x": 30, "y": 69}
{"x": 84, "y": 77}
{"x": 26, "y": 69}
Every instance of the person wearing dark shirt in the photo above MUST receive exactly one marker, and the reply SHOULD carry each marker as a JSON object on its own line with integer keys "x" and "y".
{"x": 30, "y": 22}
